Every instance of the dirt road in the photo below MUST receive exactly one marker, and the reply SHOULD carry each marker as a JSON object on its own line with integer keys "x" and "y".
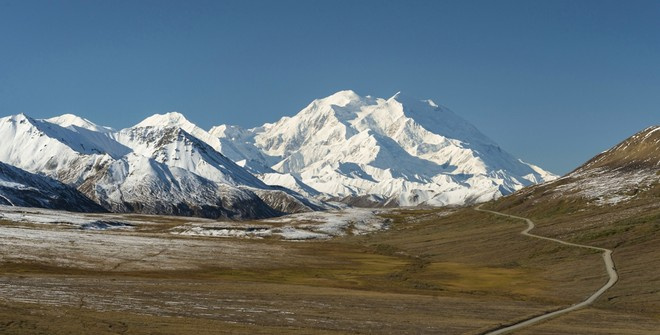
{"x": 609, "y": 266}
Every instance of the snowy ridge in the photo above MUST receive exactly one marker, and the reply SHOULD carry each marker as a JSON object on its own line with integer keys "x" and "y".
{"x": 398, "y": 149}
{"x": 156, "y": 167}
{"x": 619, "y": 174}
{"x": 364, "y": 151}
{"x": 70, "y": 120}
{"x": 639, "y": 150}
{"x": 627, "y": 172}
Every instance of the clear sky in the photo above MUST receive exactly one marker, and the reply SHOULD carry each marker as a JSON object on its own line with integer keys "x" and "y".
{"x": 553, "y": 82}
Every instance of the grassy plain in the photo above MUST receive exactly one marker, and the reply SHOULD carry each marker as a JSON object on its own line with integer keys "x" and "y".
{"x": 435, "y": 271}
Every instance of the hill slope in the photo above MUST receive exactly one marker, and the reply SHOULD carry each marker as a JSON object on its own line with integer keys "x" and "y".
{"x": 612, "y": 201}
{"x": 626, "y": 172}
{"x": 21, "y": 188}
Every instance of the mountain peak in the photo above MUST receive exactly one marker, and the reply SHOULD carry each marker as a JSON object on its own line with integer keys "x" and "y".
{"x": 165, "y": 120}
{"x": 342, "y": 98}
{"x": 227, "y": 131}
{"x": 21, "y": 117}
{"x": 403, "y": 97}
{"x": 68, "y": 120}
{"x": 346, "y": 93}
{"x": 397, "y": 95}
{"x": 71, "y": 118}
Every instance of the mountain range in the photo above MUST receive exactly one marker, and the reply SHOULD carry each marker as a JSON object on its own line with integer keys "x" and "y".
{"x": 145, "y": 169}
{"x": 358, "y": 150}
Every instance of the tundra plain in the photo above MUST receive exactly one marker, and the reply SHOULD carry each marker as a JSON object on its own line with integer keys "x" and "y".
{"x": 432, "y": 271}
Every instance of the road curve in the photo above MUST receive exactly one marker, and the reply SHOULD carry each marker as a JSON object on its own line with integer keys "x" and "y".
{"x": 609, "y": 266}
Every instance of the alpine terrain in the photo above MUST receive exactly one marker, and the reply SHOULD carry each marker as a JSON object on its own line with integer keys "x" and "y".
{"x": 363, "y": 151}
{"x": 155, "y": 167}
{"x": 370, "y": 151}
{"x": 21, "y": 188}
{"x": 585, "y": 261}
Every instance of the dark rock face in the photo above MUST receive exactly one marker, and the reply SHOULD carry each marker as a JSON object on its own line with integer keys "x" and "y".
{"x": 21, "y": 188}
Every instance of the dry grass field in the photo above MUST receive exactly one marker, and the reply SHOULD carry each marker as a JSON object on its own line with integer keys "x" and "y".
{"x": 631, "y": 229}
{"x": 434, "y": 271}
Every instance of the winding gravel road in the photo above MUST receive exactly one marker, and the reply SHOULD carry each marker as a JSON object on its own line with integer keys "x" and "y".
{"x": 609, "y": 266}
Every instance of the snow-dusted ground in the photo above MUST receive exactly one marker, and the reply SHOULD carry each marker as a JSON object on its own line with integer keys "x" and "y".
{"x": 303, "y": 226}
{"x": 93, "y": 241}
{"x": 68, "y": 219}
{"x": 120, "y": 242}
{"x": 122, "y": 251}
{"x": 608, "y": 187}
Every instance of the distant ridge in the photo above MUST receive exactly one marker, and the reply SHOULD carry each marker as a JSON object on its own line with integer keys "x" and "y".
{"x": 156, "y": 168}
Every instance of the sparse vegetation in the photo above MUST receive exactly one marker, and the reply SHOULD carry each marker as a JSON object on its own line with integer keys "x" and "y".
{"x": 437, "y": 269}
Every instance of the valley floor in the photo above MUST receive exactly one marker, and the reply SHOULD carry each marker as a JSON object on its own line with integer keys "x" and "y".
{"x": 434, "y": 271}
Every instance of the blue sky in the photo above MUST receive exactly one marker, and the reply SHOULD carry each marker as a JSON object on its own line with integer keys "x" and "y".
{"x": 553, "y": 82}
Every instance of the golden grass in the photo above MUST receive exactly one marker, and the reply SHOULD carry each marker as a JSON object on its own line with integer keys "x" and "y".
{"x": 429, "y": 273}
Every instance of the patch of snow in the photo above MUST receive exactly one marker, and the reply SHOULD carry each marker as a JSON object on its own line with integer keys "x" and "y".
{"x": 105, "y": 225}
{"x": 54, "y": 217}
{"x": 607, "y": 187}
{"x": 302, "y": 226}
{"x": 295, "y": 234}
{"x": 223, "y": 231}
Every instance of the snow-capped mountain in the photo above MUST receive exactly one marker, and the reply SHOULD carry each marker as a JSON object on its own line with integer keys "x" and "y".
{"x": 155, "y": 167}
{"x": 400, "y": 151}
{"x": 24, "y": 189}
{"x": 173, "y": 141}
{"x": 361, "y": 150}
{"x": 66, "y": 154}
